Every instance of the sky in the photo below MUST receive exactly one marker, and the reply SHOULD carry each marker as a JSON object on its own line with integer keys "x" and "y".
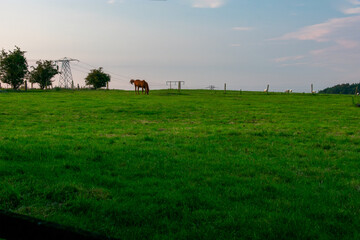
{"x": 247, "y": 44}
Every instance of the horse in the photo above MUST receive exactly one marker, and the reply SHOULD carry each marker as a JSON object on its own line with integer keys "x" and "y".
{"x": 140, "y": 84}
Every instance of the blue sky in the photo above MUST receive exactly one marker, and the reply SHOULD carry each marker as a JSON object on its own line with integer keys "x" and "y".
{"x": 247, "y": 44}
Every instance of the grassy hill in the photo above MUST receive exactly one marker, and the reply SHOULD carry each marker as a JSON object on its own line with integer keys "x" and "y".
{"x": 200, "y": 165}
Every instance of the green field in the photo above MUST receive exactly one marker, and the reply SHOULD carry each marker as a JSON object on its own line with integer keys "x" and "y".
{"x": 200, "y": 165}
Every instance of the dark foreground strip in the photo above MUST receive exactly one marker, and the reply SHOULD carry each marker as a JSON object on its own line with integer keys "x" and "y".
{"x": 16, "y": 226}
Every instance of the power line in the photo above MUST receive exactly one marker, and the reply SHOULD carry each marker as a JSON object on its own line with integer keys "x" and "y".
{"x": 66, "y": 78}
{"x": 78, "y": 70}
{"x": 119, "y": 75}
{"x": 89, "y": 69}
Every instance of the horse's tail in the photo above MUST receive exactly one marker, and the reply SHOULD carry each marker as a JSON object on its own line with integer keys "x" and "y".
{"x": 147, "y": 88}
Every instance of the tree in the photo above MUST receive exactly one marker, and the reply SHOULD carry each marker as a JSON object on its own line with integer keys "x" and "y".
{"x": 43, "y": 73}
{"x": 344, "y": 88}
{"x": 13, "y": 67}
{"x": 97, "y": 78}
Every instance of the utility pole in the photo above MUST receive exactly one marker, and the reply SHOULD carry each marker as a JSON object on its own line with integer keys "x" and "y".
{"x": 179, "y": 83}
{"x": 65, "y": 79}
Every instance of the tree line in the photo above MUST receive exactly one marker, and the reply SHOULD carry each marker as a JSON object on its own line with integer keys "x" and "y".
{"x": 14, "y": 70}
{"x": 344, "y": 88}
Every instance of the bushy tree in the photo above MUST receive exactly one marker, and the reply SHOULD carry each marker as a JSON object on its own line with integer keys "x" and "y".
{"x": 43, "y": 73}
{"x": 13, "y": 67}
{"x": 344, "y": 88}
{"x": 97, "y": 78}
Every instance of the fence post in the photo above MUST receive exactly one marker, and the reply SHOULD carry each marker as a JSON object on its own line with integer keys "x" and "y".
{"x": 224, "y": 88}
{"x": 107, "y": 85}
{"x": 25, "y": 86}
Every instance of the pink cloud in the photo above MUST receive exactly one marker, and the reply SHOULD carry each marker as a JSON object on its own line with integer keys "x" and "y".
{"x": 348, "y": 44}
{"x": 242, "y": 28}
{"x": 290, "y": 58}
{"x": 352, "y": 10}
{"x": 342, "y": 44}
{"x": 321, "y": 32}
{"x": 341, "y": 36}
{"x": 355, "y": 2}
{"x": 208, "y": 3}
{"x": 294, "y": 64}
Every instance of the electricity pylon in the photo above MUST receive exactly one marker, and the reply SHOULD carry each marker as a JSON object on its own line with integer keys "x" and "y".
{"x": 211, "y": 87}
{"x": 65, "y": 79}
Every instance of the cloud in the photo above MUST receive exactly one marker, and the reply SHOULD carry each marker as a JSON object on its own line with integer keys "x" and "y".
{"x": 354, "y": 2}
{"x": 352, "y": 10}
{"x": 207, "y": 3}
{"x": 242, "y": 28}
{"x": 115, "y": 1}
{"x": 340, "y": 38}
{"x": 347, "y": 44}
{"x": 294, "y": 64}
{"x": 341, "y": 45}
{"x": 322, "y": 32}
{"x": 235, "y": 45}
{"x": 290, "y": 58}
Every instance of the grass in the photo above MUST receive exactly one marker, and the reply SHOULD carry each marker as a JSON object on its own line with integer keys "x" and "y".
{"x": 199, "y": 165}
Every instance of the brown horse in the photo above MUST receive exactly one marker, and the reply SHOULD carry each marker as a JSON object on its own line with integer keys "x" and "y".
{"x": 140, "y": 84}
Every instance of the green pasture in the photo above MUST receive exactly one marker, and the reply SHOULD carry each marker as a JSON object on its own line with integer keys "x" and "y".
{"x": 199, "y": 165}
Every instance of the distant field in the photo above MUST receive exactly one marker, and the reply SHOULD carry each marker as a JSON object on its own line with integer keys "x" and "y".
{"x": 200, "y": 165}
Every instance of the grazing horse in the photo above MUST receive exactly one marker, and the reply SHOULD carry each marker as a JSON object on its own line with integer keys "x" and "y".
{"x": 140, "y": 84}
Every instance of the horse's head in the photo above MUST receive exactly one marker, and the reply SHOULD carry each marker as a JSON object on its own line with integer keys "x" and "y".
{"x": 132, "y": 81}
